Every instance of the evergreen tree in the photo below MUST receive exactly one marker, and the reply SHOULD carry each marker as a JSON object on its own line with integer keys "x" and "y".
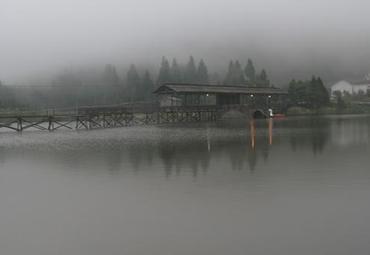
{"x": 262, "y": 79}
{"x": 311, "y": 94}
{"x": 302, "y": 95}
{"x": 297, "y": 93}
{"x": 175, "y": 72}
{"x": 325, "y": 98}
{"x": 238, "y": 74}
{"x": 250, "y": 71}
{"x": 147, "y": 87}
{"x": 229, "y": 75}
{"x": 293, "y": 92}
{"x": 133, "y": 83}
{"x": 263, "y": 75}
{"x": 190, "y": 71}
{"x": 235, "y": 74}
{"x": 341, "y": 104}
{"x": 320, "y": 96}
{"x": 202, "y": 74}
{"x": 164, "y": 72}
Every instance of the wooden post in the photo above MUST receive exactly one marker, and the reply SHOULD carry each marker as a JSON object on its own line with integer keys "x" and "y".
{"x": 19, "y": 124}
{"x": 252, "y": 133}
{"x": 51, "y": 124}
{"x": 270, "y": 121}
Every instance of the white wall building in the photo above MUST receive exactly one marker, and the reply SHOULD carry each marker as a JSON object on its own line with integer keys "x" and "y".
{"x": 351, "y": 87}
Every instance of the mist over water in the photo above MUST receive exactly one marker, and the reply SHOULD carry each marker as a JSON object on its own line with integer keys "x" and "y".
{"x": 298, "y": 185}
{"x": 198, "y": 189}
{"x": 289, "y": 38}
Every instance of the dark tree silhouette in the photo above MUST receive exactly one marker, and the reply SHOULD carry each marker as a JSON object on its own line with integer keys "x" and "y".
{"x": 235, "y": 74}
{"x": 190, "y": 71}
{"x": 147, "y": 86}
{"x": 164, "y": 72}
{"x": 133, "y": 83}
{"x": 175, "y": 72}
{"x": 202, "y": 73}
{"x": 250, "y": 71}
{"x": 262, "y": 79}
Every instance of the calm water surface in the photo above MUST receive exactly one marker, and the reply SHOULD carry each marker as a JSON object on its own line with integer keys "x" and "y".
{"x": 195, "y": 189}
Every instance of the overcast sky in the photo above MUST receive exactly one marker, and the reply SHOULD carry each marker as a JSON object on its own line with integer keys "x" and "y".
{"x": 285, "y": 36}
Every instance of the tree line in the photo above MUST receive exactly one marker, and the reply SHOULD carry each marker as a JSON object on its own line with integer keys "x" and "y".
{"x": 192, "y": 73}
{"x": 310, "y": 94}
{"x": 237, "y": 75}
{"x": 72, "y": 88}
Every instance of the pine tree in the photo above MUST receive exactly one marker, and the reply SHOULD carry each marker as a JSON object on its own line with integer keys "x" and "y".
{"x": 263, "y": 75}
{"x": 292, "y": 92}
{"x": 235, "y": 74}
{"x": 190, "y": 71}
{"x": 320, "y": 94}
{"x": 175, "y": 72}
{"x": 238, "y": 74}
{"x": 164, "y": 72}
{"x": 147, "y": 86}
{"x": 262, "y": 79}
{"x": 229, "y": 75}
{"x": 311, "y": 94}
{"x": 202, "y": 73}
{"x": 250, "y": 71}
{"x": 341, "y": 104}
{"x": 298, "y": 93}
{"x": 133, "y": 83}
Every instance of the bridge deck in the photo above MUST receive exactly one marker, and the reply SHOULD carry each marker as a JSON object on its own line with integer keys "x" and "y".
{"x": 116, "y": 116}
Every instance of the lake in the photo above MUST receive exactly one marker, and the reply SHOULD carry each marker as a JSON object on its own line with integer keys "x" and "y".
{"x": 294, "y": 186}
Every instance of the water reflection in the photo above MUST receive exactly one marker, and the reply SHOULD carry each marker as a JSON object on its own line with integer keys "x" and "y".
{"x": 345, "y": 131}
{"x": 253, "y": 188}
{"x": 316, "y": 134}
{"x": 183, "y": 150}
{"x": 194, "y": 155}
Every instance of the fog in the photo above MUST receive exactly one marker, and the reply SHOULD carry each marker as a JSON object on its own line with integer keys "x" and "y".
{"x": 289, "y": 38}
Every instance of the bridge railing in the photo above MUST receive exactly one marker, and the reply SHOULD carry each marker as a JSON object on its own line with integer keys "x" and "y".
{"x": 137, "y": 107}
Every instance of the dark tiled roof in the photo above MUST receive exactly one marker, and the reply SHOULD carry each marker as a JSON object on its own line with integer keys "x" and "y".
{"x": 217, "y": 89}
{"x": 364, "y": 82}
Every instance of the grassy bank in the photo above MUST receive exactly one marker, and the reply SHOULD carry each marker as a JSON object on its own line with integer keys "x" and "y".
{"x": 332, "y": 109}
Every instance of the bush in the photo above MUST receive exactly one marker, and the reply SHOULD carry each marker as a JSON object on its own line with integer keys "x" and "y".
{"x": 297, "y": 110}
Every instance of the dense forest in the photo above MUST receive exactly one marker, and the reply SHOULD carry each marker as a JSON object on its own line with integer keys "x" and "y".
{"x": 72, "y": 88}
{"x": 310, "y": 94}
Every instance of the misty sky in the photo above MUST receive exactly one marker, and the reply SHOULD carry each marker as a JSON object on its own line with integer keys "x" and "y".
{"x": 38, "y": 37}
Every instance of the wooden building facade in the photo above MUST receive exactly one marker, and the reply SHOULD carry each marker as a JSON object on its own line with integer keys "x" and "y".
{"x": 179, "y": 94}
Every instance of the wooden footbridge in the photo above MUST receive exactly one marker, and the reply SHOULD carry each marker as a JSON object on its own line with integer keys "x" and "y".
{"x": 107, "y": 117}
{"x": 176, "y": 104}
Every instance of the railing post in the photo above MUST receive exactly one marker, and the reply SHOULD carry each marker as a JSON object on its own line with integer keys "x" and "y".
{"x": 19, "y": 124}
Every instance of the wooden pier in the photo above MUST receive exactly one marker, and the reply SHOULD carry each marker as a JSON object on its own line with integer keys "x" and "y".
{"x": 177, "y": 103}
{"x": 87, "y": 118}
